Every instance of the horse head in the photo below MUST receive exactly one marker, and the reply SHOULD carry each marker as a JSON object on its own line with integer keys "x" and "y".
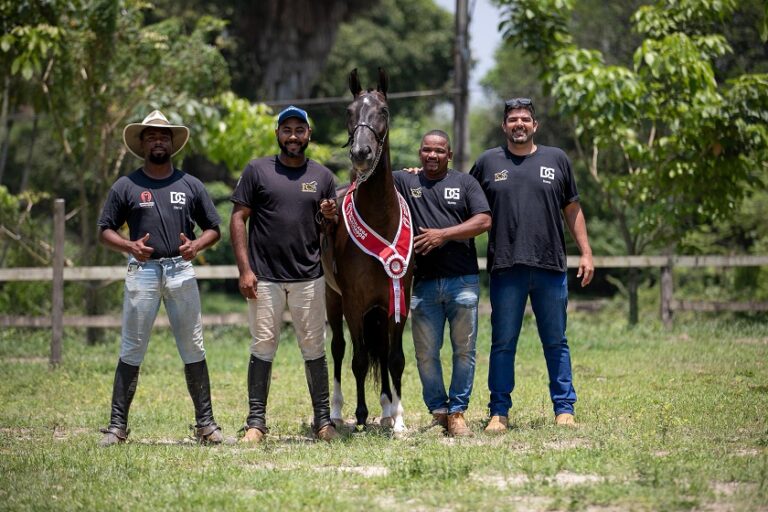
{"x": 367, "y": 125}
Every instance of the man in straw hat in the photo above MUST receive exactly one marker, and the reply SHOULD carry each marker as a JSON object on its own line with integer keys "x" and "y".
{"x": 161, "y": 206}
{"x": 280, "y": 197}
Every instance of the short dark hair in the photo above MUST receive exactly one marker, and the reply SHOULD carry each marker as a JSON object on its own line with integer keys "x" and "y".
{"x": 513, "y": 103}
{"x": 438, "y": 133}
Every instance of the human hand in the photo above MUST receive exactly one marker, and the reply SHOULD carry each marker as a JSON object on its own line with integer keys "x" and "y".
{"x": 328, "y": 209}
{"x": 586, "y": 269}
{"x": 140, "y": 250}
{"x": 188, "y": 248}
{"x": 429, "y": 239}
{"x": 247, "y": 284}
{"x": 412, "y": 170}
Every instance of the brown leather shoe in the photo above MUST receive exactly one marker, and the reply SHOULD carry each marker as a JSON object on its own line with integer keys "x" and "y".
{"x": 210, "y": 434}
{"x": 497, "y": 425}
{"x": 440, "y": 418}
{"x": 252, "y": 435}
{"x": 457, "y": 427}
{"x": 565, "y": 419}
{"x": 112, "y": 436}
{"x": 328, "y": 433}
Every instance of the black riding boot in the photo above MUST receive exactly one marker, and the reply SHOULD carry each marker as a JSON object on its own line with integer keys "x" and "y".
{"x": 199, "y": 386}
{"x": 259, "y": 377}
{"x": 123, "y": 390}
{"x": 317, "y": 381}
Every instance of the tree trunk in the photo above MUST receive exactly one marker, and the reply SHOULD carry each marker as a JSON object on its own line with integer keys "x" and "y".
{"x": 290, "y": 46}
{"x": 633, "y": 283}
{"x": 5, "y": 131}
{"x": 28, "y": 165}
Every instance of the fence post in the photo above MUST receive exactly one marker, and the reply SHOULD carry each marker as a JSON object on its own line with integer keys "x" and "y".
{"x": 57, "y": 293}
{"x": 667, "y": 289}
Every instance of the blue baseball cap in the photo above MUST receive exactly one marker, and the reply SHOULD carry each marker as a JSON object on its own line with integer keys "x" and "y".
{"x": 292, "y": 111}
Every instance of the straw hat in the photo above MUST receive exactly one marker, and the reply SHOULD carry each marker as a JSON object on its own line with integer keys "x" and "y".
{"x": 132, "y": 133}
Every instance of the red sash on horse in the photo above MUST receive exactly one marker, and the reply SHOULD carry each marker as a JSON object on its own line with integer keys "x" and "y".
{"x": 394, "y": 256}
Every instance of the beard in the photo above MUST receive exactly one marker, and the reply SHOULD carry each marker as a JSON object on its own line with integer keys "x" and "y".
{"x": 159, "y": 158}
{"x": 519, "y": 137}
{"x": 293, "y": 154}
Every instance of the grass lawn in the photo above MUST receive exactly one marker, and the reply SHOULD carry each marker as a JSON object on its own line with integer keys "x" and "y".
{"x": 668, "y": 420}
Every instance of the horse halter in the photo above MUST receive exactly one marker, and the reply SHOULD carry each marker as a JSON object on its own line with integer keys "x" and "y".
{"x": 379, "y": 140}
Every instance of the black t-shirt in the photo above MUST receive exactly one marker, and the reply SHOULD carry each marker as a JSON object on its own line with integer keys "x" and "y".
{"x": 163, "y": 208}
{"x": 283, "y": 235}
{"x": 527, "y": 195}
{"x": 441, "y": 204}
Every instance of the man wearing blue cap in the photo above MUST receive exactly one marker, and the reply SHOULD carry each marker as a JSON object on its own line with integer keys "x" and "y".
{"x": 279, "y": 261}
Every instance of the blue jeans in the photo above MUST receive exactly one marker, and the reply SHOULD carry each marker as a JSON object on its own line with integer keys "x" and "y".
{"x": 548, "y": 290}
{"x": 432, "y": 303}
{"x": 173, "y": 281}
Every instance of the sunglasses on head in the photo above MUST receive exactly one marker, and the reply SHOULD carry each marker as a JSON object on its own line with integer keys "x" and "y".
{"x": 526, "y": 103}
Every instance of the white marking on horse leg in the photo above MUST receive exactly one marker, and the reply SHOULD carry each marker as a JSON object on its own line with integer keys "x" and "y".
{"x": 337, "y": 403}
{"x": 397, "y": 409}
{"x": 386, "y": 411}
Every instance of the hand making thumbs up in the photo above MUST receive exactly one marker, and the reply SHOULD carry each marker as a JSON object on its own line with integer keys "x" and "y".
{"x": 188, "y": 248}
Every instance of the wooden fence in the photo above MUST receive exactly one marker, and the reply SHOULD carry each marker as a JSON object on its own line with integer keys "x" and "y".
{"x": 58, "y": 274}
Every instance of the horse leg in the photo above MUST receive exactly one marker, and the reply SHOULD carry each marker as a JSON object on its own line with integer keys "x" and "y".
{"x": 360, "y": 370}
{"x": 333, "y": 307}
{"x": 396, "y": 367}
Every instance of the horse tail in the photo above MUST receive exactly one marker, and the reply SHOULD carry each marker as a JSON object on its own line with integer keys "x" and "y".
{"x": 376, "y": 339}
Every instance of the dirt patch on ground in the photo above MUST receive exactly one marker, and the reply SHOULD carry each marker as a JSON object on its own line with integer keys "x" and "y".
{"x": 24, "y": 360}
{"x": 366, "y": 471}
{"x": 563, "y": 478}
{"x": 751, "y": 341}
{"x": 567, "y": 444}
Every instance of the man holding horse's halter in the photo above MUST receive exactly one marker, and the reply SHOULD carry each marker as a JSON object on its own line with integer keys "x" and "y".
{"x": 279, "y": 261}
{"x": 449, "y": 209}
{"x": 530, "y": 188}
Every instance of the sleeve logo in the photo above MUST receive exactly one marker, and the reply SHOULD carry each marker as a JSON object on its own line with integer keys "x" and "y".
{"x": 178, "y": 198}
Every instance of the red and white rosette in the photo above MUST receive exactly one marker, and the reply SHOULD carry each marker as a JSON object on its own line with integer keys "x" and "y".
{"x": 394, "y": 256}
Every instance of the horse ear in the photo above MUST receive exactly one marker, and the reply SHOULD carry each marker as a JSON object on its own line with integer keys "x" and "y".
{"x": 383, "y": 82}
{"x": 354, "y": 83}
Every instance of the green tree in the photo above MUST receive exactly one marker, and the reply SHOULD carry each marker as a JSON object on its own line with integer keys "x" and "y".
{"x": 411, "y": 39}
{"x": 99, "y": 69}
{"x": 668, "y": 146}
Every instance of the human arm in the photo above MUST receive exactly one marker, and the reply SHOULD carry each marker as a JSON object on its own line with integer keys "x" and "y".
{"x": 237, "y": 234}
{"x": 577, "y": 225}
{"x": 189, "y": 248}
{"x": 136, "y": 248}
{"x": 431, "y": 238}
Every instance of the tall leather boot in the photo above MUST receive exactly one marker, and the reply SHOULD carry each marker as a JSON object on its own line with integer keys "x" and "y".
{"x": 199, "y": 386}
{"x": 317, "y": 381}
{"x": 123, "y": 390}
{"x": 259, "y": 377}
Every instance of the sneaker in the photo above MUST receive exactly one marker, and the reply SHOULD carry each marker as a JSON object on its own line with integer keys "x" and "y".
{"x": 328, "y": 433}
{"x": 441, "y": 419}
{"x": 497, "y": 425}
{"x": 252, "y": 435}
{"x": 210, "y": 434}
{"x": 565, "y": 419}
{"x": 457, "y": 427}
{"x": 112, "y": 435}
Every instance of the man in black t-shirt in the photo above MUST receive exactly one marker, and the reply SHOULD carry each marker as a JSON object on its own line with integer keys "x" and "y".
{"x": 279, "y": 261}
{"x": 530, "y": 189}
{"x": 161, "y": 206}
{"x": 448, "y": 210}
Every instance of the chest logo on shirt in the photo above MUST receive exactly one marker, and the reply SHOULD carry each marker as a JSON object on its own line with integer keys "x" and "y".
{"x": 451, "y": 194}
{"x": 547, "y": 173}
{"x": 146, "y": 199}
{"x": 309, "y": 187}
{"x": 178, "y": 198}
{"x": 416, "y": 192}
{"x": 501, "y": 175}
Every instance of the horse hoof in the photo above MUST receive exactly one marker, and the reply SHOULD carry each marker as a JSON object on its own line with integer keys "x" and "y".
{"x": 387, "y": 422}
{"x": 337, "y": 422}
